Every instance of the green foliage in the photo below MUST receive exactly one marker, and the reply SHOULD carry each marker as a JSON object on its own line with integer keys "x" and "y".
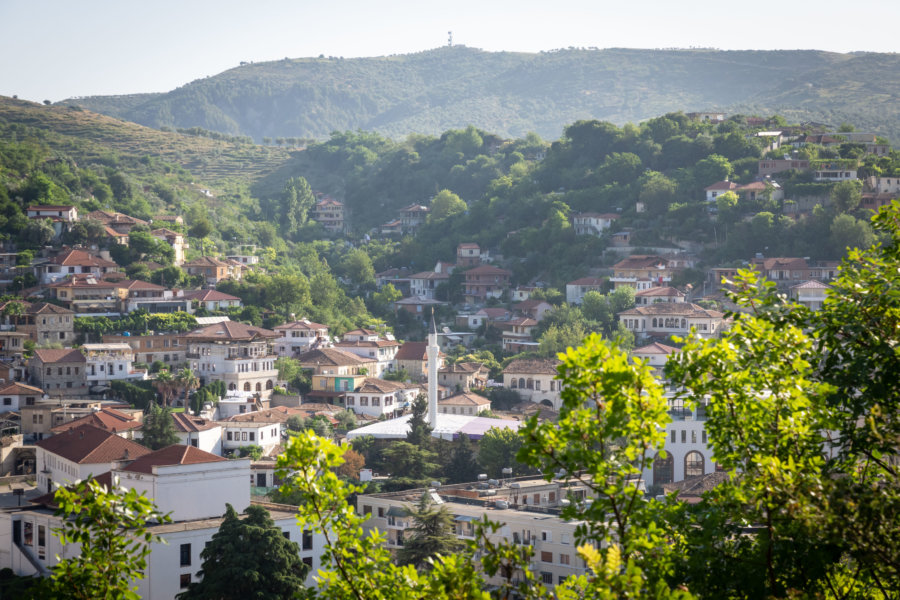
{"x": 445, "y": 204}
{"x": 136, "y": 396}
{"x": 159, "y": 428}
{"x": 497, "y": 450}
{"x": 430, "y": 535}
{"x": 248, "y": 558}
{"x": 253, "y": 451}
{"x": 111, "y": 526}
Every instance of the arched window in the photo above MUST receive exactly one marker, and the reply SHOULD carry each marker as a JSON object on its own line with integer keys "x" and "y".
{"x": 246, "y": 386}
{"x": 521, "y": 383}
{"x": 269, "y": 385}
{"x": 693, "y": 464}
{"x": 514, "y": 383}
{"x": 258, "y": 386}
{"x": 232, "y": 387}
{"x": 530, "y": 383}
{"x": 654, "y": 322}
{"x": 683, "y": 324}
{"x": 663, "y": 469}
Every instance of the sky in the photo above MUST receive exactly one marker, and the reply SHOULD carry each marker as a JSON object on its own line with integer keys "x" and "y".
{"x": 58, "y": 49}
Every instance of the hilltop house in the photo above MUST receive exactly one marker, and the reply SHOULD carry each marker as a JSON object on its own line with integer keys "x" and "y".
{"x": 329, "y": 213}
{"x": 575, "y": 290}
{"x": 298, "y": 337}
{"x": 665, "y": 319}
{"x": 485, "y": 281}
{"x": 643, "y": 271}
{"x": 590, "y": 223}
{"x": 239, "y": 355}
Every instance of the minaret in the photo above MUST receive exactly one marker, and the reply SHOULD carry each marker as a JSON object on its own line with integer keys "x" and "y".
{"x": 433, "y": 351}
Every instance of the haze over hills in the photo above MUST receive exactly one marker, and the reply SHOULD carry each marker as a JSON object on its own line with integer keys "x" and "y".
{"x": 514, "y": 93}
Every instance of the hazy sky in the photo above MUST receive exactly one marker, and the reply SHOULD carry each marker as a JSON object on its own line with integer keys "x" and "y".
{"x": 56, "y": 49}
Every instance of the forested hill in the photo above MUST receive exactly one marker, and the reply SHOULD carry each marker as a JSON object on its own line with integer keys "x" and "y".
{"x": 511, "y": 94}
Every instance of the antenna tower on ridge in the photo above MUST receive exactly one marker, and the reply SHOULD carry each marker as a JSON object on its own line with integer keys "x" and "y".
{"x": 449, "y": 38}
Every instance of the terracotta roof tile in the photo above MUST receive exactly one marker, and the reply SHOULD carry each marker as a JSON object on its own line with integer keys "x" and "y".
{"x": 87, "y": 444}
{"x": 176, "y": 454}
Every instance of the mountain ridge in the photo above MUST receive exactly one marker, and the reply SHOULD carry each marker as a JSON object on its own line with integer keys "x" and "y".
{"x": 512, "y": 93}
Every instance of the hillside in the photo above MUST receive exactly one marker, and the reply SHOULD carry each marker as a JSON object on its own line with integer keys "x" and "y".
{"x": 511, "y": 94}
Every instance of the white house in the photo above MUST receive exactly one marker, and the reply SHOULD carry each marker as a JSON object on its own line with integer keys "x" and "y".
{"x": 213, "y": 300}
{"x": 80, "y": 452}
{"x": 658, "y": 294}
{"x": 110, "y": 362}
{"x": 198, "y": 432}
{"x": 656, "y": 355}
{"x": 191, "y": 485}
{"x": 378, "y": 397}
{"x": 14, "y": 395}
{"x": 423, "y": 284}
{"x": 575, "y": 290}
{"x": 672, "y": 318}
{"x": 688, "y": 453}
{"x": 535, "y": 380}
{"x": 810, "y": 294}
{"x": 463, "y": 403}
{"x": 298, "y": 337}
{"x": 368, "y": 344}
{"x": 590, "y": 223}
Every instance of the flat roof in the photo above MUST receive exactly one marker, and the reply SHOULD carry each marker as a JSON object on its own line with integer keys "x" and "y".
{"x": 448, "y": 427}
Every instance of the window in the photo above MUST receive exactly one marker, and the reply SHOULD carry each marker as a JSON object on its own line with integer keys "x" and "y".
{"x": 672, "y": 436}
{"x": 229, "y": 436}
{"x": 307, "y": 542}
{"x": 693, "y": 437}
{"x": 683, "y": 436}
{"x": 185, "y": 555}
{"x": 252, "y": 436}
{"x": 184, "y": 580}
{"x": 563, "y": 559}
{"x": 7, "y": 401}
{"x": 693, "y": 464}
{"x": 286, "y": 534}
{"x": 307, "y": 560}
{"x": 546, "y": 557}
{"x": 546, "y": 536}
{"x": 703, "y": 436}
{"x": 546, "y": 578}
{"x": 243, "y": 436}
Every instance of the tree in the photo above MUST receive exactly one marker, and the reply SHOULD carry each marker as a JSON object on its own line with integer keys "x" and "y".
{"x": 353, "y": 463}
{"x": 358, "y": 267}
{"x": 165, "y": 385}
{"x": 462, "y": 466}
{"x": 446, "y": 204}
{"x": 419, "y": 429}
{"x": 185, "y": 382}
{"x": 159, "y": 429}
{"x": 712, "y": 169}
{"x": 656, "y": 192}
{"x": 431, "y": 535}
{"x": 409, "y": 465}
{"x": 846, "y": 195}
{"x": 111, "y": 526}
{"x": 294, "y": 205}
{"x": 727, "y": 207}
{"x": 497, "y": 451}
{"x": 849, "y": 232}
{"x": 346, "y": 420}
{"x": 248, "y": 558}
{"x": 38, "y": 232}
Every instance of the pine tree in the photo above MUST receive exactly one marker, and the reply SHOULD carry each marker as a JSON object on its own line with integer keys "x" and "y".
{"x": 462, "y": 466}
{"x": 159, "y": 429}
{"x": 431, "y": 535}
{"x": 248, "y": 558}
{"x": 419, "y": 429}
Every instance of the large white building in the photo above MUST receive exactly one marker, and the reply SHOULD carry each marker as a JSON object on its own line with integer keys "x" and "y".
{"x": 664, "y": 319}
{"x": 191, "y": 485}
{"x": 105, "y": 363}
{"x": 298, "y": 337}
{"x": 238, "y": 354}
{"x": 526, "y": 508}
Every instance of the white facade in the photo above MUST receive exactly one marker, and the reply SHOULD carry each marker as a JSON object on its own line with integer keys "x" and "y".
{"x": 108, "y": 362}
{"x": 299, "y": 337}
{"x": 592, "y": 223}
{"x": 575, "y": 290}
{"x": 535, "y": 381}
{"x": 208, "y": 440}
{"x": 238, "y": 434}
{"x": 243, "y": 366}
{"x": 688, "y": 453}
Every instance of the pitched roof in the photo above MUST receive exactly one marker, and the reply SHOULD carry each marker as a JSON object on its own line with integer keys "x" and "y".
{"x": 59, "y": 355}
{"x": 412, "y": 351}
{"x": 109, "y": 217}
{"x": 367, "y": 344}
{"x": 87, "y": 444}
{"x": 656, "y": 292}
{"x": 332, "y": 357}
{"x": 488, "y": 270}
{"x": 595, "y": 281}
{"x": 15, "y": 388}
{"x": 681, "y": 309}
{"x": 45, "y": 308}
{"x": 302, "y": 324}
{"x": 230, "y": 330}
{"x": 427, "y": 275}
{"x": 523, "y": 322}
{"x": 107, "y": 419}
{"x": 530, "y": 304}
{"x": 811, "y": 285}
{"x": 373, "y": 385}
{"x": 73, "y": 257}
{"x": 276, "y": 414}
{"x": 464, "y": 399}
{"x": 205, "y": 261}
{"x": 468, "y": 245}
{"x": 594, "y": 215}
{"x": 176, "y": 454}
{"x": 641, "y": 261}
{"x": 720, "y": 185}
{"x": 656, "y": 348}
{"x": 781, "y": 263}
{"x": 494, "y": 313}
{"x": 50, "y": 207}
{"x": 189, "y": 423}
{"x": 463, "y": 367}
{"x": 209, "y": 296}
{"x": 533, "y": 366}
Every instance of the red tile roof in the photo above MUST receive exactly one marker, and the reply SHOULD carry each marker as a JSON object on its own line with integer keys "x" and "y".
{"x": 59, "y": 355}
{"x": 107, "y": 419}
{"x": 72, "y": 258}
{"x": 87, "y": 444}
{"x": 230, "y": 330}
{"x": 176, "y": 454}
{"x": 189, "y": 423}
{"x": 19, "y": 389}
{"x": 209, "y": 296}
{"x": 412, "y": 351}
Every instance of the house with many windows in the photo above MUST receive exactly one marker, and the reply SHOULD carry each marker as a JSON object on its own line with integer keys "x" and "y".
{"x": 379, "y": 398}
{"x": 297, "y": 337}
{"x": 535, "y": 379}
{"x": 672, "y": 318}
{"x": 485, "y": 281}
{"x": 239, "y": 355}
{"x": 335, "y": 372}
